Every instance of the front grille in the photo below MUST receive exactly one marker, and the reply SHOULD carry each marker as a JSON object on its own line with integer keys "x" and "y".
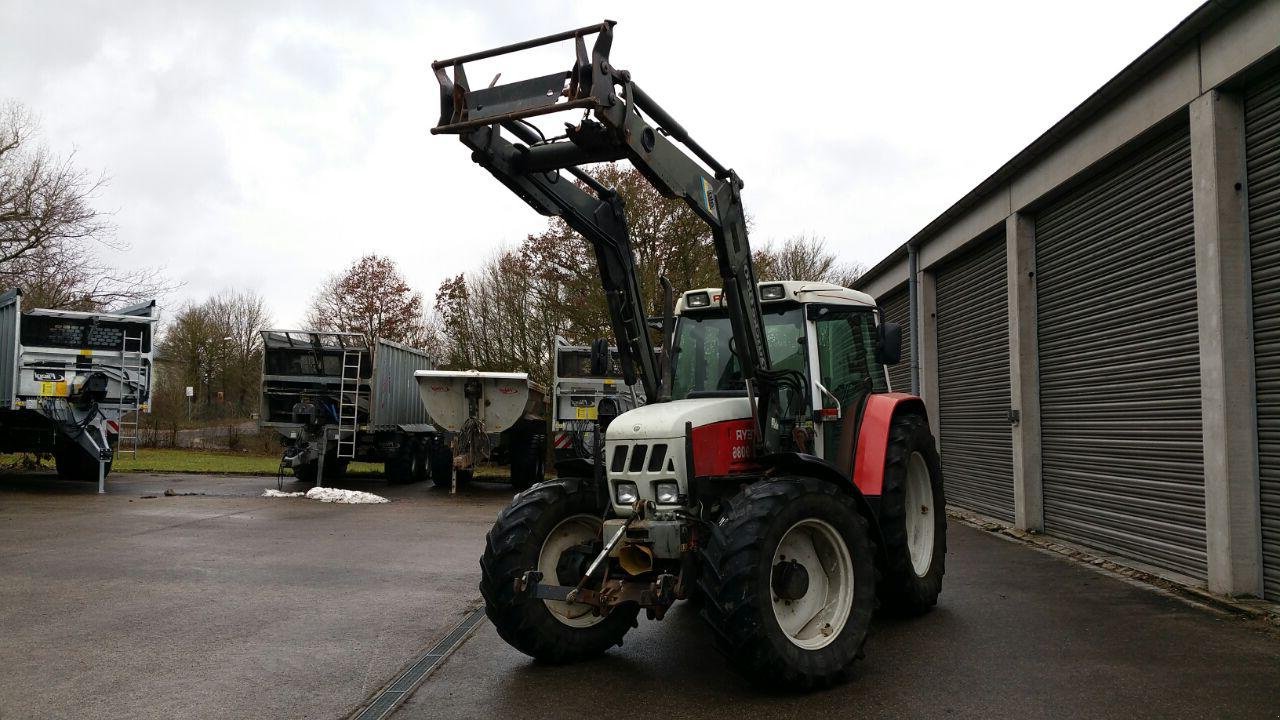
{"x": 645, "y": 464}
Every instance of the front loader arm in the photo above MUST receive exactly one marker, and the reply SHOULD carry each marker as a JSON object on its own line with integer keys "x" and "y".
{"x": 602, "y": 221}
{"x": 626, "y": 125}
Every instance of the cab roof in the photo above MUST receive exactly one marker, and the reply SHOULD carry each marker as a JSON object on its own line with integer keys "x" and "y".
{"x": 799, "y": 291}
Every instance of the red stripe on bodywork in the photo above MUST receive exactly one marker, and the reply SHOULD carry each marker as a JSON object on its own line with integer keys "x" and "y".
{"x": 724, "y": 448}
{"x": 873, "y": 440}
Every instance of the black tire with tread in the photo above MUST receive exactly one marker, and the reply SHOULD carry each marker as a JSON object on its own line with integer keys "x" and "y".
{"x": 527, "y": 459}
{"x": 441, "y": 459}
{"x": 902, "y": 592}
{"x": 735, "y": 582}
{"x": 398, "y": 468}
{"x": 512, "y": 548}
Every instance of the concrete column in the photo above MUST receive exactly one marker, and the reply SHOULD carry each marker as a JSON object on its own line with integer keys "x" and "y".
{"x": 1227, "y": 393}
{"x": 927, "y": 302}
{"x": 1024, "y": 373}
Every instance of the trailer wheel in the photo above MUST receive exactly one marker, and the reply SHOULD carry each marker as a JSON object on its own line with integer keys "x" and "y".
{"x": 74, "y": 463}
{"x": 398, "y": 468}
{"x": 306, "y": 473}
{"x": 538, "y": 531}
{"x": 526, "y": 460}
{"x": 335, "y": 468}
{"x": 441, "y": 465}
{"x": 789, "y": 578}
{"x": 913, "y": 518}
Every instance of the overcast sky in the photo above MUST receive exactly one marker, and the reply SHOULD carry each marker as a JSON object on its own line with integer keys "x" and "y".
{"x": 257, "y": 144}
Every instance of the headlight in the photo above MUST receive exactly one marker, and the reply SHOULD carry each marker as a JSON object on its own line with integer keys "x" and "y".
{"x": 625, "y": 493}
{"x": 668, "y": 493}
{"x": 772, "y": 292}
{"x": 697, "y": 300}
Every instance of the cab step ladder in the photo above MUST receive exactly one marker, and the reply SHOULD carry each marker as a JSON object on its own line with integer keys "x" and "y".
{"x": 132, "y": 372}
{"x": 349, "y": 402}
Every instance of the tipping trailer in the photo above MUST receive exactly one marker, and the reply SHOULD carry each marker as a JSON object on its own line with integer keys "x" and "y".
{"x": 73, "y": 384}
{"x": 771, "y": 472}
{"x": 582, "y": 377}
{"x": 333, "y": 399}
{"x": 498, "y": 416}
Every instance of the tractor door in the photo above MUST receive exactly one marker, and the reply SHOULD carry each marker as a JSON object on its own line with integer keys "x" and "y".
{"x": 845, "y": 344}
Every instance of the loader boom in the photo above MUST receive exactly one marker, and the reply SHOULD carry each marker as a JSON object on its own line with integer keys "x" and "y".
{"x": 620, "y": 122}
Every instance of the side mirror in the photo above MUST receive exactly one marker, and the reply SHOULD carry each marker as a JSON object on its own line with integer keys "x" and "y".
{"x": 889, "y": 345}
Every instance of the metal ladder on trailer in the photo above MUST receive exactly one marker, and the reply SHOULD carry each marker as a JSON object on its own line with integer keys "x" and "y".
{"x": 349, "y": 402}
{"x": 130, "y": 405}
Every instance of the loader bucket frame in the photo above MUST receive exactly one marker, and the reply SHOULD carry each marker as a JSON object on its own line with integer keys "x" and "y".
{"x": 616, "y": 125}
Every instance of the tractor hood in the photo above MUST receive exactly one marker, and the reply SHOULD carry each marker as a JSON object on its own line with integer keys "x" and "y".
{"x": 666, "y": 420}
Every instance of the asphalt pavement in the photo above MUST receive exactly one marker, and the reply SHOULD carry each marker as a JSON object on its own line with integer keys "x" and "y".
{"x": 1019, "y": 633}
{"x": 224, "y": 604}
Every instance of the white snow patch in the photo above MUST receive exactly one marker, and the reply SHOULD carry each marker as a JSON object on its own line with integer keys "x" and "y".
{"x": 330, "y": 495}
{"x": 276, "y": 493}
{"x": 353, "y": 497}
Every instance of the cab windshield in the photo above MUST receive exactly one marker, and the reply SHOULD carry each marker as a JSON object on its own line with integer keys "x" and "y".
{"x": 705, "y": 364}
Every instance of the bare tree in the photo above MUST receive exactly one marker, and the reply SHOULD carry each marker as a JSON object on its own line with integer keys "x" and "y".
{"x": 240, "y": 317}
{"x": 371, "y": 298}
{"x": 804, "y": 257}
{"x": 502, "y": 316}
{"x": 49, "y": 228}
{"x": 215, "y": 347}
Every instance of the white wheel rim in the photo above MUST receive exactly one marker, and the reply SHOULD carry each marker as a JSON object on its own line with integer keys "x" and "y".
{"x": 815, "y": 620}
{"x": 920, "y": 513}
{"x": 573, "y": 530}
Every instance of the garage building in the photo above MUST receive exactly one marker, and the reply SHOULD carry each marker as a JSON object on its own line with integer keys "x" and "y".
{"x": 1096, "y": 326}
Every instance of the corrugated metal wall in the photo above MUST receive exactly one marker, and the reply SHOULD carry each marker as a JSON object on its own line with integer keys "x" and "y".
{"x": 1119, "y": 362}
{"x": 395, "y": 393}
{"x": 973, "y": 380}
{"x": 1262, "y": 156}
{"x": 897, "y": 309}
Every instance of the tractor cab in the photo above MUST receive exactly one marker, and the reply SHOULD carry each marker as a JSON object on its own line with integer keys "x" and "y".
{"x": 827, "y": 333}
{"x": 825, "y": 336}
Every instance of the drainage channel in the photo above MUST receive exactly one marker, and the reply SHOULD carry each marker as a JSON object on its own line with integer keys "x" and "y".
{"x": 391, "y": 696}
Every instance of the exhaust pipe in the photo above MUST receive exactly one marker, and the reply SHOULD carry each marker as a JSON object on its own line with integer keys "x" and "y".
{"x": 635, "y": 559}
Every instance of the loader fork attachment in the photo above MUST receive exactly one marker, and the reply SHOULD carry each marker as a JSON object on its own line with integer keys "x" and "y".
{"x": 620, "y": 121}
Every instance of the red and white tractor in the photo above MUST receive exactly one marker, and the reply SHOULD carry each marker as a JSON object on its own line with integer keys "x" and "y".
{"x": 772, "y": 475}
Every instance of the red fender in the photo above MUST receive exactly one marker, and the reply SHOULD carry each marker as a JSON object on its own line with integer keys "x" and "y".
{"x": 873, "y": 439}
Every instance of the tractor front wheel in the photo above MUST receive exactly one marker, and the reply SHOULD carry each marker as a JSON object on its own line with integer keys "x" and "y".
{"x": 789, "y": 579}
{"x": 913, "y": 519}
{"x": 553, "y": 528}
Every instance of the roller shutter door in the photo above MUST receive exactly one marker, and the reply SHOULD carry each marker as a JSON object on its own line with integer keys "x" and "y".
{"x": 1122, "y": 458}
{"x": 897, "y": 309}
{"x": 973, "y": 380}
{"x": 1262, "y": 154}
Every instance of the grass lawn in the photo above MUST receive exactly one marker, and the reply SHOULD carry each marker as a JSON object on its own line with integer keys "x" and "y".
{"x": 181, "y": 460}
{"x": 212, "y": 461}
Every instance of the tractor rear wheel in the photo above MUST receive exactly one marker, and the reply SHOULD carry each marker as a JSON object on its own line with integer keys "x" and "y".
{"x": 789, "y": 579}
{"x": 553, "y": 528}
{"x": 913, "y": 519}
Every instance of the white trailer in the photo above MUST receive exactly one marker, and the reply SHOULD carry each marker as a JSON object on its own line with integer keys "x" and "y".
{"x": 488, "y": 416}
{"x": 583, "y": 376}
{"x": 72, "y": 384}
